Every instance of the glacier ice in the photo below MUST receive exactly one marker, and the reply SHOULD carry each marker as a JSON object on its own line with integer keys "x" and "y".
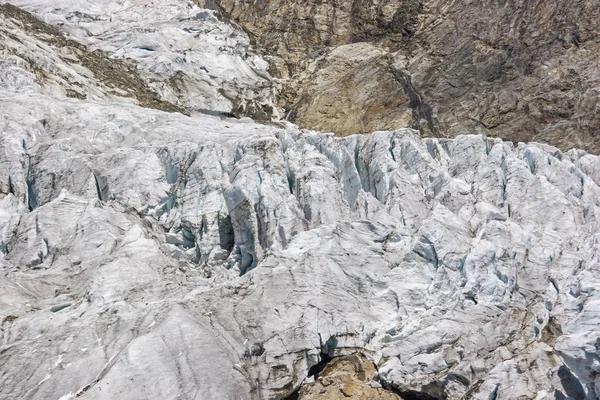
{"x": 147, "y": 254}
{"x": 461, "y": 267}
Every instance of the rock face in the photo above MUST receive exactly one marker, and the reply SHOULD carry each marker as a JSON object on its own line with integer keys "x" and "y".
{"x": 147, "y": 254}
{"x": 520, "y": 70}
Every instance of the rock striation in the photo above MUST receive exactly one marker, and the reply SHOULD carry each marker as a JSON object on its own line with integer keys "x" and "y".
{"x": 152, "y": 254}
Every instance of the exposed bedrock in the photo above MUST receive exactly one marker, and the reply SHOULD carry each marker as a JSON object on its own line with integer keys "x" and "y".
{"x": 519, "y": 70}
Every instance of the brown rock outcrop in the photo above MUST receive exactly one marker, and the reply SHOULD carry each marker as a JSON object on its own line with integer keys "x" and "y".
{"x": 346, "y": 377}
{"x": 520, "y": 70}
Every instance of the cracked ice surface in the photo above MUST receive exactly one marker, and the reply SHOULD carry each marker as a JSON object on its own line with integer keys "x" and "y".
{"x": 185, "y": 53}
{"x": 197, "y": 257}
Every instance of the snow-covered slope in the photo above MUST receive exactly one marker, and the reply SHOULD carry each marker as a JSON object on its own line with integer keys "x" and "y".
{"x": 147, "y": 254}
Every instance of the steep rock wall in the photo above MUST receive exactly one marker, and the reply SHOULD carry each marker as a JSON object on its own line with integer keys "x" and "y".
{"x": 519, "y": 70}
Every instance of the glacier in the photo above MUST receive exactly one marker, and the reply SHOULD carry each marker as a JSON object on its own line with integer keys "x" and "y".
{"x": 152, "y": 254}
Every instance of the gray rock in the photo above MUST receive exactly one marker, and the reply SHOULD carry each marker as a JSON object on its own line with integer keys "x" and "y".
{"x": 522, "y": 71}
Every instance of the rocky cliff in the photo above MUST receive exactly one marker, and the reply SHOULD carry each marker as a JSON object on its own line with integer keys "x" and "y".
{"x": 152, "y": 254}
{"x": 520, "y": 70}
